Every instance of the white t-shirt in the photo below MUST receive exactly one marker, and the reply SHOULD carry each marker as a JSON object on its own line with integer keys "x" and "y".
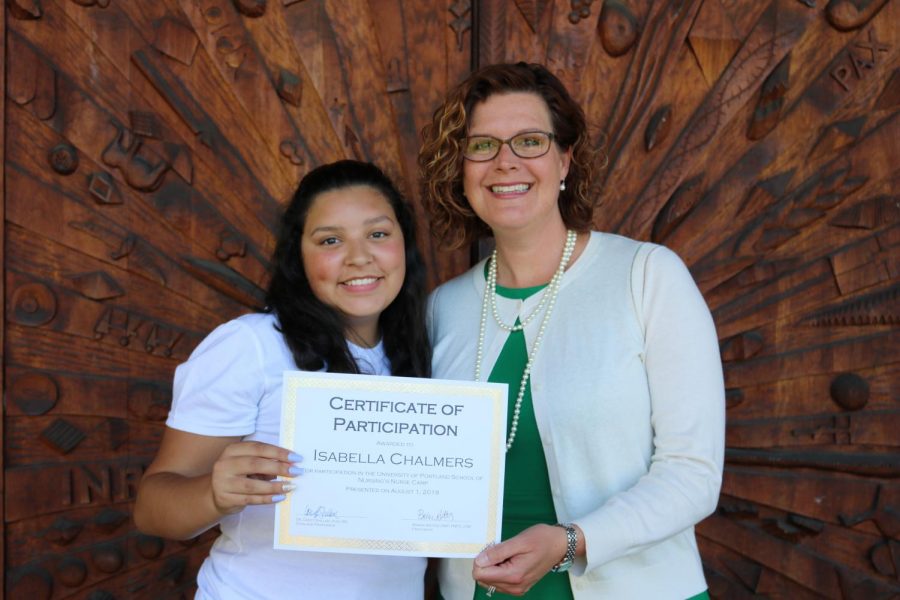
{"x": 231, "y": 386}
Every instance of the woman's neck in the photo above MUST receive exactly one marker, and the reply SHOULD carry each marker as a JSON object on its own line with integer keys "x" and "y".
{"x": 526, "y": 261}
{"x": 364, "y": 337}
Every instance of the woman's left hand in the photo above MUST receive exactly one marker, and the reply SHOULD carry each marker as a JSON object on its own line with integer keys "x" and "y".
{"x": 515, "y": 565}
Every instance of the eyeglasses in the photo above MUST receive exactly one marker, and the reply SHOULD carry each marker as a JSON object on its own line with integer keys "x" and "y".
{"x": 528, "y": 144}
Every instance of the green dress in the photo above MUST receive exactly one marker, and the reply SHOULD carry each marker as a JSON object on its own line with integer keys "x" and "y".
{"x": 526, "y": 486}
{"x": 526, "y": 493}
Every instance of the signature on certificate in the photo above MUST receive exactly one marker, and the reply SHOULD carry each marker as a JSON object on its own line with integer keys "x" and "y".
{"x": 440, "y": 515}
{"x": 320, "y": 512}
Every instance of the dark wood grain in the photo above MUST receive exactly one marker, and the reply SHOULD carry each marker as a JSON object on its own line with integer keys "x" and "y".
{"x": 3, "y": 61}
{"x": 759, "y": 141}
{"x": 148, "y": 148}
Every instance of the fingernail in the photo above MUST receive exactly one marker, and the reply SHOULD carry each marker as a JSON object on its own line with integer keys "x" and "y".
{"x": 481, "y": 560}
{"x": 288, "y": 487}
{"x": 294, "y": 471}
{"x": 294, "y": 457}
{"x": 278, "y": 498}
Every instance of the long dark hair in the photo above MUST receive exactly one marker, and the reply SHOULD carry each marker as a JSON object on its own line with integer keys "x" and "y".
{"x": 313, "y": 330}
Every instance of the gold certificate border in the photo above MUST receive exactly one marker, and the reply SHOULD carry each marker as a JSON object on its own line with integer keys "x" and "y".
{"x": 294, "y": 381}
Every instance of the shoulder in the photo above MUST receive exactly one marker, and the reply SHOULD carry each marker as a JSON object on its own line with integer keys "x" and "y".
{"x": 247, "y": 333}
{"x": 616, "y": 248}
{"x": 459, "y": 289}
{"x": 463, "y": 281}
{"x": 452, "y": 301}
{"x": 261, "y": 325}
{"x": 612, "y": 248}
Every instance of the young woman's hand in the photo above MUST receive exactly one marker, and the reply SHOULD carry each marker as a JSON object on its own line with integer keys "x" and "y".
{"x": 245, "y": 473}
{"x": 195, "y": 480}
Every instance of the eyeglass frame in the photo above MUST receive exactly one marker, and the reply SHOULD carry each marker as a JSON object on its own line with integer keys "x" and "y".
{"x": 551, "y": 137}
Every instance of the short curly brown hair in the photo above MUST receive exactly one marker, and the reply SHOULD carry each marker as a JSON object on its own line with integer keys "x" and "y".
{"x": 453, "y": 222}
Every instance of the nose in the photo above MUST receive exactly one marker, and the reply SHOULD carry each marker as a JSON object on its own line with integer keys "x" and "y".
{"x": 506, "y": 158}
{"x": 358, "y": 253}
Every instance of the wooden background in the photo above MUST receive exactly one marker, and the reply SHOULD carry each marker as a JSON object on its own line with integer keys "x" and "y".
{"x": 148, "y": 145}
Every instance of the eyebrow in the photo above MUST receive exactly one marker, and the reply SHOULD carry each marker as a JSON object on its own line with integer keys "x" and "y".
{"x": 367, "y": 222}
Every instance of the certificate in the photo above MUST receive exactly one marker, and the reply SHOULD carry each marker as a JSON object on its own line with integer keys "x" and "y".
{"x": 392, "y": 465}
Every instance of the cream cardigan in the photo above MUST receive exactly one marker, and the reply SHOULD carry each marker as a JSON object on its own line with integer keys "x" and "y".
{"x": 629, "y": 400}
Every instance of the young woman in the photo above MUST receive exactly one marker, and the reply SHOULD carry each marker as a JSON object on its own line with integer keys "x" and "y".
{"x": 346, "y": 295}
{"x": 616, "y": 430}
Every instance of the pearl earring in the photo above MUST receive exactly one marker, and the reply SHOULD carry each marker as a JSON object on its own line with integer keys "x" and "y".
{"x": 562, "y": 185}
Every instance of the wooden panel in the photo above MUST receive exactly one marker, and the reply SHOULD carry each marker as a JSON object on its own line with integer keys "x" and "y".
{"x": 155, "y": 143}
{"x": 759, "y": 140}
{"x": 2, "y": 276}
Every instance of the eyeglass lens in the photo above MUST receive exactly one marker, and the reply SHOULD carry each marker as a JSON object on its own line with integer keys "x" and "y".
{"x": 530, "y": 144}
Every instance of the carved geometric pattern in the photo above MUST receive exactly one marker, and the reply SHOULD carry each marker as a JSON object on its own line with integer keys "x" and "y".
{"x": 752, "y": 138}
{"x": 581, "y": 9}
{"x": 63, "y": 158}
{"x": 62, "y": 436}
{"x": 251, "y": 8}
{"x": 462, "y": 21}
{"x": 846, "y": 15}
{"x": 618, "y": 27}
{"x": 34, "y": 393}
{"x": 771, "y": 100}
{"x": 71, "y": 571}
{"x": 658, "y": 127}
{"x": 533, "y": 11}
{"x": 25, "y": 9}
{"x": 110, "y": 519}
{"x": 713, "y": 39}
{"x": 880, "y": 308}
{"x": 107, "y": 558}
{"x": 33, "y": 304}
{"x": 98, "y": 285}
{"x": 103, "y": 189}
{"x": 837, "y": 136}
{"x": 145, "y": 123}
{"x": 176, "y": 40}
{"x": 290, "y": 87}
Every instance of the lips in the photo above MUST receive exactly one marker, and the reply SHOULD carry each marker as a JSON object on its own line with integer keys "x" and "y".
{"x": 512, "y": 188}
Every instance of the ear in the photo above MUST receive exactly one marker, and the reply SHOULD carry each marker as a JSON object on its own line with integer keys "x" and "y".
{"x": 565, "y": 159}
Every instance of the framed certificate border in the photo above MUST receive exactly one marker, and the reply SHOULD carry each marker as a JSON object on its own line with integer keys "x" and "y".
{"x": 479, "y": 401}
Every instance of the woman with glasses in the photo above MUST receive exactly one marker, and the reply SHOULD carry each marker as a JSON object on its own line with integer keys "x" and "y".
{"x": 616, "y": 398}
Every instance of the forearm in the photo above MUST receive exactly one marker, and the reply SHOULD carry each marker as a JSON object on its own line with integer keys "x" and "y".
{"x": 174, "y": 506}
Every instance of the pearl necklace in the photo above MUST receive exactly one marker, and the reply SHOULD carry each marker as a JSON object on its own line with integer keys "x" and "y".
{"x": 548, "y": 300}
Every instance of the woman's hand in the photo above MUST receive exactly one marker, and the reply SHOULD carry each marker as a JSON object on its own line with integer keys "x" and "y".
{"x": 515, "y": 565}
{"x": 244, "y": 472}
{"x": 195, "y": 480}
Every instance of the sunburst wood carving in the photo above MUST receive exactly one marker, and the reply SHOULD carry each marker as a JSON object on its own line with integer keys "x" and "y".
{"x": 150, "y": 145}
{"x": 150, "y": 148}
{"x": 759, "y": 140}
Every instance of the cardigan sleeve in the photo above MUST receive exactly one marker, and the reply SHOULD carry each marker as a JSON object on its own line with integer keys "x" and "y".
{"x": 687, "y": 406}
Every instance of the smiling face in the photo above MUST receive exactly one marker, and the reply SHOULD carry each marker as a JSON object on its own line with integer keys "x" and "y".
{"x": 509, "y": 193}
{"x": 353, "y": 255}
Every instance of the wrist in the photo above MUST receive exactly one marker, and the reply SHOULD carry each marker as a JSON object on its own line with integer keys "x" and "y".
{"x": 572, "y": 544}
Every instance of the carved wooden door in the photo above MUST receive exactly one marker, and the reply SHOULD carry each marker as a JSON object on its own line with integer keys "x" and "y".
{"x": 147, "y": 147}
{"x": 760, "y": 141}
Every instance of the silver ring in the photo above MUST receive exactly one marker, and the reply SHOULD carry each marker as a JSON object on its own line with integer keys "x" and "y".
{"x": 491, "y": 590}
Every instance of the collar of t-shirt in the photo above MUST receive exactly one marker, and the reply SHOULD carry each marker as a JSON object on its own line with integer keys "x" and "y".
{"x": 371, "y": 361}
